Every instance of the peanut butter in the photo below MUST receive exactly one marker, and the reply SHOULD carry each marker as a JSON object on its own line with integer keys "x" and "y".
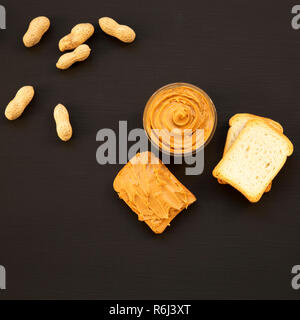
{"x": 176, "y": 109}
{"x": 152, "y": 191}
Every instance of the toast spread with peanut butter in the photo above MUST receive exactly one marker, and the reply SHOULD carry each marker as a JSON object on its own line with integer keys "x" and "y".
{"x": 152, "y": 191}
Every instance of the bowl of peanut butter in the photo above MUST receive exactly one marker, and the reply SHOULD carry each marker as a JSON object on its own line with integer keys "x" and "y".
{"x": 180, "y": 119}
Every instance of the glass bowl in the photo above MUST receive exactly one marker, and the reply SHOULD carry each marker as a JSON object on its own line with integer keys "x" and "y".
{"x": 208, "y": 105}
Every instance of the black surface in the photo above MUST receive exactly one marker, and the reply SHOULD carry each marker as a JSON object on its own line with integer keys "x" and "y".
{"x": 63, "y": 231}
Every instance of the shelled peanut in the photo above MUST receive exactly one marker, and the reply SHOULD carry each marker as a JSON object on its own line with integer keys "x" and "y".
{"x": 63, "y": 125}
{"x": 17, "y": 106}
{"x": 37, "y": 28}
{"x": 79, "y": 35}
{"x": 81, "y": 53}
{"x": 113, "y": 28}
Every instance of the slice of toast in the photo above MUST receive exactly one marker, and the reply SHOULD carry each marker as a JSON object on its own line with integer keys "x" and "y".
{"x": 152, "y": 191}
{"x": 237, "y": 123}
{"x": 254, "y": 159}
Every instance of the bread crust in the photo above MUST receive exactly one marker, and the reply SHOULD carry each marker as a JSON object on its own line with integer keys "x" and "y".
{"x": 271, "y": 122}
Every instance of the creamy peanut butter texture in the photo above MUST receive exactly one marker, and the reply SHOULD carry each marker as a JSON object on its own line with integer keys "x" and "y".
{"x": 152, "y": 191}
{"x": 175, "y": 109}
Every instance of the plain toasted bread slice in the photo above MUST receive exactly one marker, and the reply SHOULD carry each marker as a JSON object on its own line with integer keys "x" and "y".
{"x": 237, "y": 123}
{"x": 254, "y": 159}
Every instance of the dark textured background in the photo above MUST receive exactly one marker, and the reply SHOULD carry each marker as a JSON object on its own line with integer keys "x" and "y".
{"x": 63, "y": 231}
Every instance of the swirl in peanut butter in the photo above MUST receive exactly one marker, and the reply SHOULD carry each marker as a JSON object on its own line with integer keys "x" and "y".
{"x": 175, "y": 117}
